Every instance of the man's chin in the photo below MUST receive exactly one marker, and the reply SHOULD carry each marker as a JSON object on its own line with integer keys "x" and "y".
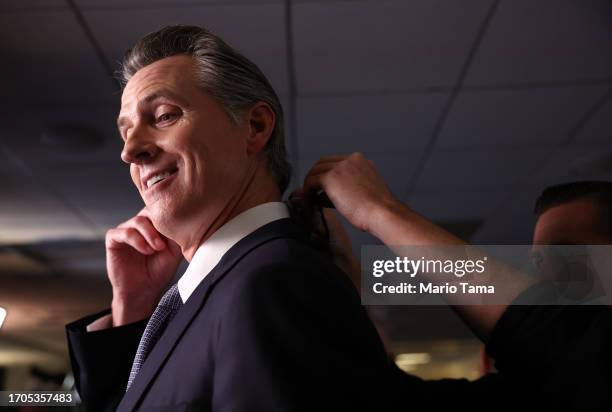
{"x": 163, "y": 219}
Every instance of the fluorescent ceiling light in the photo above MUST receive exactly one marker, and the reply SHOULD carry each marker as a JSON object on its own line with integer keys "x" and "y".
{"x": 409, "y": 362}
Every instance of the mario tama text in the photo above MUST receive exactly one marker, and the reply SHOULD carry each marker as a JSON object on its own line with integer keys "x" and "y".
{"x": 432, "y": 288}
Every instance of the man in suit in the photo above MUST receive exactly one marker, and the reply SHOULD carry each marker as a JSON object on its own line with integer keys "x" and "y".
{"x": 260, "y": 320}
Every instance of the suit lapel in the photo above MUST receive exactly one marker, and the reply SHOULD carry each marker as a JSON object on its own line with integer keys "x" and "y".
{"x": 161, "y": 351}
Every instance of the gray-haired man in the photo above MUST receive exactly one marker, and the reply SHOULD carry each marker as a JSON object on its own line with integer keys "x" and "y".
{"x": 261, "y": 320}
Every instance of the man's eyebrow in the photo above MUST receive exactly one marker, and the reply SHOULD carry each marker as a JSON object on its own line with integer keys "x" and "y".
{"x": 159, "y": 94}
{"x": 148, "y": 99}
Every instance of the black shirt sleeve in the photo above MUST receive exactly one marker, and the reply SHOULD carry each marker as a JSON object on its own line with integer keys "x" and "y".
{"x": 561, "y": 354}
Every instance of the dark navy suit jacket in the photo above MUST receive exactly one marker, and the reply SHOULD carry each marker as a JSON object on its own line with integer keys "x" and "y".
{"x": 275, "y": 326}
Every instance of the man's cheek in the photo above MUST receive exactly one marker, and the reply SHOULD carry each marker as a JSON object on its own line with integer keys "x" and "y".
{"x": 135, "y": 176}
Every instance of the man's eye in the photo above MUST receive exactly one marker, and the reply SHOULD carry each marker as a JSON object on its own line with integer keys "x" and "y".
{"x": 165, "y": 117}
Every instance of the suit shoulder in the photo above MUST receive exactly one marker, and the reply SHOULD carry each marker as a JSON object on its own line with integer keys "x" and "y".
{"x": 283, "y": 255}
{"x": 291, "y": 267}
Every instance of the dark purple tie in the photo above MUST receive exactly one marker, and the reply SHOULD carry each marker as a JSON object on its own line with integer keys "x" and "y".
{"x": 169, "y": 304}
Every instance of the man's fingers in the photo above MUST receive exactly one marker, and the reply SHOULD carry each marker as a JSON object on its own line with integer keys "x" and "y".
{"x": 120, "y": 237}
{"x": 148, "y": 231}
{"x": 143, "y": 225}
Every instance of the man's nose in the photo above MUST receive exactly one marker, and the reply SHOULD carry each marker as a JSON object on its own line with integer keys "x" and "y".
{"x": 139, "y": 147}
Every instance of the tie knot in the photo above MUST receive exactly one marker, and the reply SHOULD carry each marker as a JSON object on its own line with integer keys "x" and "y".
{"x": 171, "y": 298}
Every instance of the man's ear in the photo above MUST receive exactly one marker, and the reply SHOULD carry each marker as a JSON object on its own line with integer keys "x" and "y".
{"x": 261, "y": 119}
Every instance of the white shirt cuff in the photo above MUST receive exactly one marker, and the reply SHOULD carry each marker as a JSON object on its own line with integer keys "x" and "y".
{"x": 104, "y": 322}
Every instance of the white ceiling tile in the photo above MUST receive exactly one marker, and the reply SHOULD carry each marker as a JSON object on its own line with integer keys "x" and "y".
{"x": 382, "y": 45}
{"x": 52, "y": 61}
{"x": 261, "y": 39}
{"x": 30, "y": 213}
{"x": 599, "y": 127}
{"x": 512, "y": 223}
{"x": 576, "y": 162}
{"x": 479, "y": 168}
{"x": 368, "y": 123}
{"x": 91, "y": 181}
{"x": 103, "y": 191}
{"x": 23, "y": 134}
{"x": 287, "y": 124}
{"x": 506, "y": 229}
{"x": 521, "y": 202}
{"x": 456, "y": 205}
{"x": 544, "y": 41}
{"x": 510, "y": 117}
{"x": 395, "y": 168}
{"x": 14, "y": 5}
{"x": 147, "y": 4}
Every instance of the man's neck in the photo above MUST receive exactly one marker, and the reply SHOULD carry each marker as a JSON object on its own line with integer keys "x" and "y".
{"x": 257, "y": 192}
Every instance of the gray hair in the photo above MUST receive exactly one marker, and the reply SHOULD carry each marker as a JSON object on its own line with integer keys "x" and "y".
{"x": 235, "y": 81}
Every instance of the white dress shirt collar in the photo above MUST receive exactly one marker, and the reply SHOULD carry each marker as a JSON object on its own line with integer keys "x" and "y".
{"x": 212, "y": 250}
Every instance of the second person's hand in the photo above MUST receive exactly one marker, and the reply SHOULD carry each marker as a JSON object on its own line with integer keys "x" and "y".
{"x": 353, "y": 185}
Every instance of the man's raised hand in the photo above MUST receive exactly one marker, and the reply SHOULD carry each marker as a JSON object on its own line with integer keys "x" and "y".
{"x": 140, "y": 263}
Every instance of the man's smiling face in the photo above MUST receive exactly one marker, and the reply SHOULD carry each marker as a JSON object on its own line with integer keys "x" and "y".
{"x": 187, "y": 157}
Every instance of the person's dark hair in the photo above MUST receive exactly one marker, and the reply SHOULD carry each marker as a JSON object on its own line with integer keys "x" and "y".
{"x": 599, "y": 192}
{"x": 235, "y": 81}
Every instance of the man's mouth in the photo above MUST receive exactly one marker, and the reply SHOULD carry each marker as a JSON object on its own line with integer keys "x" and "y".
{"x": 155, "y": 179}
